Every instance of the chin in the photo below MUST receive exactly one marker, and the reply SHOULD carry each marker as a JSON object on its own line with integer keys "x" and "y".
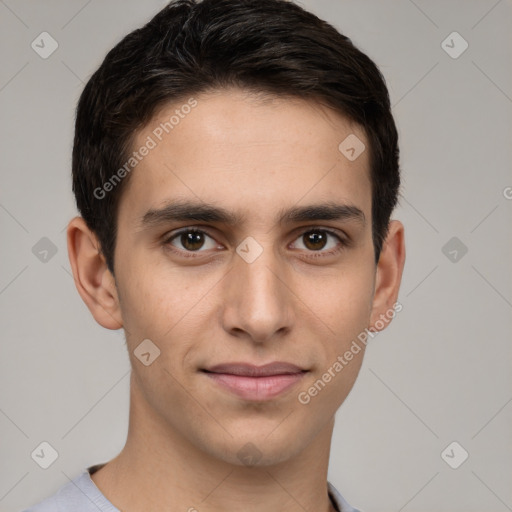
{"x": 256, "y": 450}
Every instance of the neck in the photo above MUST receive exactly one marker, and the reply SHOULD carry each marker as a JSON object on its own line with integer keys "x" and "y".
{"x": 160, "y": 469}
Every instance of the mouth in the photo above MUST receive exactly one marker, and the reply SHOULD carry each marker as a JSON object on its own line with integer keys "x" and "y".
{"x": 255, "y": 383}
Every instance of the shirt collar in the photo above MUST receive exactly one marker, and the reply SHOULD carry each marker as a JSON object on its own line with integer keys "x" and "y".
{"x": 338, "y": 501}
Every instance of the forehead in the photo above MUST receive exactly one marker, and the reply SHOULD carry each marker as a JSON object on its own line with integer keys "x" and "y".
{"x": 250, "y": 155}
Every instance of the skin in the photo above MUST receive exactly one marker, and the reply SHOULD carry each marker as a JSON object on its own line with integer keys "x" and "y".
{"x": 294, "y": 303}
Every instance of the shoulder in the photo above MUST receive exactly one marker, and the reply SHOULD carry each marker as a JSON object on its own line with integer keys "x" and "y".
{"x": 339, "y": 500}
{"x": 49, "y": 504}
{"x": 78, "y": 495}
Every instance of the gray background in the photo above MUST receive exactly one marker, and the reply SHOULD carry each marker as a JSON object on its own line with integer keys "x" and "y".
{"x": 441, "y": 371}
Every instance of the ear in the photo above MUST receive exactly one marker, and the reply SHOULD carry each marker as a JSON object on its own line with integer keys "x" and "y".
{"x": 388, "y": 276}
{"x": 93, "y": 280}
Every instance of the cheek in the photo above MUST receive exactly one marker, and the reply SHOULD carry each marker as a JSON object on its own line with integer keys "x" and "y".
{"x": 162, "y": 303}
{"x": 342, "y": 301}
{"x": 339, "y": 354}
{"x": 143, "y": 305}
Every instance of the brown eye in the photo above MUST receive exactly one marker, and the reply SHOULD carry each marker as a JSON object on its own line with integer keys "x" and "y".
{"x": 191, "y": 240}
{"x": 321, "y": 241}
{"x": 315, "y": 240}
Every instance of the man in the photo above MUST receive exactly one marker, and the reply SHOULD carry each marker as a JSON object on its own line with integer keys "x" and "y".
{"x": 235, "y": 164}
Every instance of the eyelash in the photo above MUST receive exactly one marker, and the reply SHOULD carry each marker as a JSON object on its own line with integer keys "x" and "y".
{"x": 344, "y": 242}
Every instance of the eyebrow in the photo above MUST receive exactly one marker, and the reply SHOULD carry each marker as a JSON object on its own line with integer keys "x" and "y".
{"x": 203, "y": 212}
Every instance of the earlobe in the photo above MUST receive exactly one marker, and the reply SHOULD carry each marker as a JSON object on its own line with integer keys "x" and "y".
{"x": 93, "y": 279}
{"x": 388, "y": 276}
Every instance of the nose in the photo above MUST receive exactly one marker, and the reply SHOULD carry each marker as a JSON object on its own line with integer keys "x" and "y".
{"x": 258, "y": 299}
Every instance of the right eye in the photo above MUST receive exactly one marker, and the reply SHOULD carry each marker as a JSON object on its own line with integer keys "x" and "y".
{"x": 191, "y": 241}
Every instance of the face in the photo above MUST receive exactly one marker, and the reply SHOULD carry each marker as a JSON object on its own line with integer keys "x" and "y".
{"x": 252, "y": 298}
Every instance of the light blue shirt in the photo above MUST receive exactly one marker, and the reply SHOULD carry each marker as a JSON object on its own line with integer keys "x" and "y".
{"x": 82, "y": 495}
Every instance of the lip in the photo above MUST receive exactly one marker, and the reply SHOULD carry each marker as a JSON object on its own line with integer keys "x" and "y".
{"x": 257, "y": 383}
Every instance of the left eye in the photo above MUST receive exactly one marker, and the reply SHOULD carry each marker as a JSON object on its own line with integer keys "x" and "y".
{"x": 317, "y": 239}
